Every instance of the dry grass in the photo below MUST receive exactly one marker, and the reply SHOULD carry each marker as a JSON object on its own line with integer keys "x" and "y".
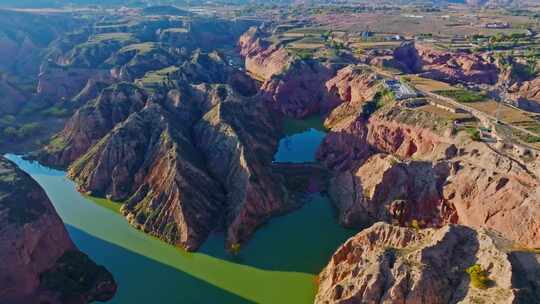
{"x": 376, "y": 44}
{"x": 429, "y": 85}
{"x": 311, "y": 46}
{"x": 442, "y": 113}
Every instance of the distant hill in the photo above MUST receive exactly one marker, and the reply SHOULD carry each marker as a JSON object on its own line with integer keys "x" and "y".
{"x": 61, "y": 3}
{"x": 165, "y": 10}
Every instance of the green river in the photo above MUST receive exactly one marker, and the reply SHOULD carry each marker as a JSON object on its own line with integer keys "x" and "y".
{"x": 278, "y": 265}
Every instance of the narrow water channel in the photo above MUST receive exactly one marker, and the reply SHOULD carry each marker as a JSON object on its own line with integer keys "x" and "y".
{"x": 278, "y": 265}
{"x": 302, "y": 138}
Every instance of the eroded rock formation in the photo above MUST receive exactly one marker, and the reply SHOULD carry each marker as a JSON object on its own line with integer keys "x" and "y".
{"x": 526, "y": 95}
{"x": 451, "y": 67}
{"x": 91, "y": 122}
{"x": 402, "y": 165}
{"x": 38, "y": 257}
{"x": 238, "y": 141}
{"x": 389, "y": 264}
{"x": 291, "y": 85}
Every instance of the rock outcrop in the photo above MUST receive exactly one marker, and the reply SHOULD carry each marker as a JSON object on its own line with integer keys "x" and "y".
{"x": 402, "y": 165}
{"x": 93, "y": 121}
{"x": 353, "y": 86}
{"x": 456, "y": 67}
{"x": 384, "y": 188}
{"x": 149, "y": 163}
{"x": 238, "y": 141}
{"x": 38, "y": 257}
{"x": 262, "y": 60}
{"x": 300, "y": 90}
{"x": 526, "y": 95}
{"x": 389, "y": 264}
{"x": 291, "y": 85}
{"x": 57, "y": 83}
{"x": 451, "y": 67}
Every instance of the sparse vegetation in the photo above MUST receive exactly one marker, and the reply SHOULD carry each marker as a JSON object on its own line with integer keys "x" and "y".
{"x": 56, "y": 111}
{"x": 381, "y": 98}
{"x": 464, "y": 96}
{"x": 415, "y": 225}
{"x": 479, "y": 277}
{"x": 234, "y": 249}
{"x": 531, "y": 138}
{"x": 24, "y": 131}
{"x": 474, "y": 133}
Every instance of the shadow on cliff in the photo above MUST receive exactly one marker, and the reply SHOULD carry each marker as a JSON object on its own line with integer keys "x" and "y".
{"x": 143, "y": 280}
{"x": 460, "y": 258}
{"x": 525, "y": 276}
{"x": 301, "y": 241}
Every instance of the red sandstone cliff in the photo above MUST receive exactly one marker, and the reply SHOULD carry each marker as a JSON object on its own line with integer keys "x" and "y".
{"x": 291, "y": 85}
{"x": 36, "y": 251}
{"x": 402, "y": 164}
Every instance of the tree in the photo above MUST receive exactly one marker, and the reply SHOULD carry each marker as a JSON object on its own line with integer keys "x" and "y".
{"x": 234, "y": 248}
{"x": 10, "y": 132}
{"x": 479, "y": 277}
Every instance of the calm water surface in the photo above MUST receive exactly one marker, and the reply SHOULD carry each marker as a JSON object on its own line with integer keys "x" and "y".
{"x": 301, "y": 141}
{"x": 277, "y": 266}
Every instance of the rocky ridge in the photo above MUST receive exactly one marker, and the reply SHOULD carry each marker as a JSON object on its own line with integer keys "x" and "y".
{"x": 291, "y": 85}
{"x": 151, "y": 148}
{"x": 428, "y": 62}
{"x": 389, "y": 264}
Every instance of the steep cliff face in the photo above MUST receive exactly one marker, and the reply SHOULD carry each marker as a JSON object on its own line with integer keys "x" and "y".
{"x": 57, "y": 83}
{"x": 402, "y": 165}
{"x": 526, "y": 95}
{"x": 238, "y": 141}
{"x": 353, "y": 86}
{"x": 292, "y": 86}
{"x": 91, "y": 122}
{"x": 492, "y": 190}
{"x": 407, "y": 58}
{"x": 148, "y": 162}
{"x": 394, "y": 130}
{"x": 384, "y": 188}
{"x": 300, "y": 91}
{"x": 36, "y": 251}
{"x": 435, "y": 179}
{"x": 262, "y": 60}
{"x": 389, "y": 264}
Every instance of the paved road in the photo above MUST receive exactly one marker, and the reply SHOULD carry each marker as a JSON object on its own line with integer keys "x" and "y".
{"x": 482, "y": 116}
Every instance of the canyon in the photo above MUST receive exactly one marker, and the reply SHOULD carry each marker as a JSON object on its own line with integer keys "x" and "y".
{"x": 182, "y": 125}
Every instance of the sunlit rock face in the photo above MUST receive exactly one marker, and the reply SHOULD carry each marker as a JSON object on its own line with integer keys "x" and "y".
{"x": 389, "y": 264}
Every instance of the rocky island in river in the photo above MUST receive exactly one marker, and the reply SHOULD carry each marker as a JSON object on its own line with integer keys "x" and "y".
{"x": 249, "y": 153}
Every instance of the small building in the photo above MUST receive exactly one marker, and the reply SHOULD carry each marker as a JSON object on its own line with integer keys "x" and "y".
{"x": 497, "y": 25}
{"x": 401, "y": 90}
